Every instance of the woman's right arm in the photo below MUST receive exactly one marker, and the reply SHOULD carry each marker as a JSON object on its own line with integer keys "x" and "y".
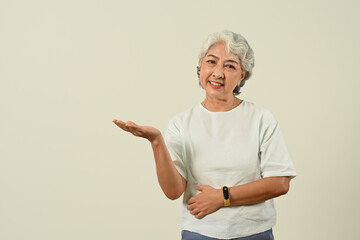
{"x": 170, "y": 180}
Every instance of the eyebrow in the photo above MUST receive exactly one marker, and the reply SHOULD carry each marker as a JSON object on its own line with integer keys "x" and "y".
{"x": 229, "y": 60}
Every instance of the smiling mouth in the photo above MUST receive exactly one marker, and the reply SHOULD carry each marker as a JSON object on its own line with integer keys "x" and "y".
{"x": 215, "y": 84}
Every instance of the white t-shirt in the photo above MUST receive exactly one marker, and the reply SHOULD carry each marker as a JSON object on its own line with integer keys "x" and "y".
{"x": 228, "y": 149}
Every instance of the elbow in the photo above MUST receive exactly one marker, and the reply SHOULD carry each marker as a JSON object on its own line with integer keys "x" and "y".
{"x": 173, "y": 195}
{"x": 284, "y": 186}
{"x": 173, "y": 192}
{"x": 284, "y": 190}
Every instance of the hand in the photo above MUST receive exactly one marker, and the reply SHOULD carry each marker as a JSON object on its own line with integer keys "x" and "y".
{"x": 207, "y": 201}
{"x": 147, "y": 132}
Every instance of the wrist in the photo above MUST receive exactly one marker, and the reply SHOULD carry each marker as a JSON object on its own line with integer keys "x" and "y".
{"x": 226, "y": 196}
{"x": 156, "y": 141}
{"x": 220, "y": 198}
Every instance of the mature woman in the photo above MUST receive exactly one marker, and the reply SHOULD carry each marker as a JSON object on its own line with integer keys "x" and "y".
{"x": 226, "y": 155}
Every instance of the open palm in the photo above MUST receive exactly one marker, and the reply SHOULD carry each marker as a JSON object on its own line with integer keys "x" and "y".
{"x": 147, "y": 132}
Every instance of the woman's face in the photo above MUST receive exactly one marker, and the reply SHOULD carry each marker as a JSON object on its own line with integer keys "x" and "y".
{"x": 220, "y": 72}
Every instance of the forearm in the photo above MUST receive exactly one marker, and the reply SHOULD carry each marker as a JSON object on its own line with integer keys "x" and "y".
{"x": 170, "y": 180}
{"x": 210, "y": 199}
{"x": 258, "y": 191}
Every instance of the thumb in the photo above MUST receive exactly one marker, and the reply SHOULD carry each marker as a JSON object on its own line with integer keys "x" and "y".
{"x": 200, "y": 188}
{"x": 130, "y": 124}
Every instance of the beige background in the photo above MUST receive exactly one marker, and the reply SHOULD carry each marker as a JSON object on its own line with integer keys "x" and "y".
{"x": 67, "y": 68}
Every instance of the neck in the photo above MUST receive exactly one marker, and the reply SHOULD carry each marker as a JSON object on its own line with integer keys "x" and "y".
{"x": 220, "y": 105}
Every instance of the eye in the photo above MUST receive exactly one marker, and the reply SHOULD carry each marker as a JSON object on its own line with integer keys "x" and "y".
{"x": 230, "y": 66}
{"x": 210, "y": 61}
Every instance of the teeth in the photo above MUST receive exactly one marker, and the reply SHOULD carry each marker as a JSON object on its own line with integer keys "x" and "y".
{"x": 216, "y": 84}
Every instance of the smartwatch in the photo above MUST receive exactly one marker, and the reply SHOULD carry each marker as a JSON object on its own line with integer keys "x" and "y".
{"x": 226, "y": 195}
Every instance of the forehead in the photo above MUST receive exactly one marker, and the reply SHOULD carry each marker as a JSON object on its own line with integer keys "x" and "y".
{"x": 221, "y": 51}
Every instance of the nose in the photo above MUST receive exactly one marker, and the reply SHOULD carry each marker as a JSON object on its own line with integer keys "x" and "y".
{"x": 218, "y": 72}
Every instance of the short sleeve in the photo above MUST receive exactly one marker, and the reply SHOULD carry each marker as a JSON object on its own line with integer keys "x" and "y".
{"x": 275, "y": 160}
{"x": 175, "y": 145}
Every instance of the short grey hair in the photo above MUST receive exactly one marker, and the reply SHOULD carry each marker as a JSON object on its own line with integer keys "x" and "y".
{"x": 237, "y": 45}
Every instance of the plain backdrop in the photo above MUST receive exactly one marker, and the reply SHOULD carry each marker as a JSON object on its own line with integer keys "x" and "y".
{"x": 67, "y": 68}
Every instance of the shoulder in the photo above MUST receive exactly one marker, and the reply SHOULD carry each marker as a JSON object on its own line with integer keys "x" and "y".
{"x": 261, "y": 113}
{"x": 178, "y": 120}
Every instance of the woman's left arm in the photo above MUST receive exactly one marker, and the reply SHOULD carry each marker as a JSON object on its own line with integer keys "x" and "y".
{"x": 210, "y": 199}
{"x": 259, "y": 191}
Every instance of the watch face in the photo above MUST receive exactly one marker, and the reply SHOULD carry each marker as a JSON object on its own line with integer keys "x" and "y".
{"x": 226, "y": 192}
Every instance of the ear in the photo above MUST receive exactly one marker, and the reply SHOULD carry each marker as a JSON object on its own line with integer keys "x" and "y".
{"x": 243, "y": 75}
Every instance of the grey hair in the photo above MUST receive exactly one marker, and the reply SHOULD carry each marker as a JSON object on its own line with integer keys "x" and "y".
{"x": 237, "y": 45}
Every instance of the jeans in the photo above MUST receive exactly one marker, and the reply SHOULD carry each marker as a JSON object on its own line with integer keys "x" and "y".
{"x": 187, "y": 235}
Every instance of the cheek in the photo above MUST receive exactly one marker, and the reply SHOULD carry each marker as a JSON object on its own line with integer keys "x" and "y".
{"x": 202, "y": 79}
{"x": 203, "y": 74}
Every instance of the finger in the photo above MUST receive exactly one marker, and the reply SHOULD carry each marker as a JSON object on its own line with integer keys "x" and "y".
{"x": 120, "y": 124}
{"x": 200, "y": 215}
{"x": 129, "y": 127}
{"x": 195, "y": 212}
{"x": 200, "y": 188}
{"x": 131, "y": 124}
{"x": 134, "y": 128}
{"x": 191, "y": 207}
{"x": 191, "y": 201}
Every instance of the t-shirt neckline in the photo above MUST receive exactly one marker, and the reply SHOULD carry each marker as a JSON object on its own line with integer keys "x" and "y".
{"x": 230, "y": 111}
